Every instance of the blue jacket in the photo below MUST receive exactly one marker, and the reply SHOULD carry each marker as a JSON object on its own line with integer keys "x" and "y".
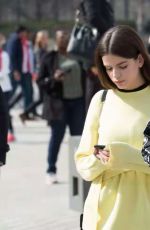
{"x": 14, "y": 49}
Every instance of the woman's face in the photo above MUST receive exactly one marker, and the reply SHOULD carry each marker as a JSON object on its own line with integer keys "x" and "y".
{"x": 44, "y": 40}
{"x": 62, "y": 40}
{"x": 124, "y": 72}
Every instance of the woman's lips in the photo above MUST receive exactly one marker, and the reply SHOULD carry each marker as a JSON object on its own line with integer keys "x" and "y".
{"x": 119, "y": 82}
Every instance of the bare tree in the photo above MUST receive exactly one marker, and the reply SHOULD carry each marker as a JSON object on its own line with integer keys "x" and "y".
{"x": 126, "y": 9}
{"x": 18, "y": 10}
{"x": 38, "y": 9}
{"x": 55, "y": 9}
{"x": 140, "y": 16}
{"x": 113, "y": 3}
{"x": 2, "y": 7}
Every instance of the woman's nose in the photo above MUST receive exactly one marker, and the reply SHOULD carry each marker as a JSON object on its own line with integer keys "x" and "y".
{"x": 116, "y": 74}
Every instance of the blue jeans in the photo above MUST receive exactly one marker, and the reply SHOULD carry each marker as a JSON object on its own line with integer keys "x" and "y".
{"x": 74, "y": 116}
{"x": 27, "y": 89}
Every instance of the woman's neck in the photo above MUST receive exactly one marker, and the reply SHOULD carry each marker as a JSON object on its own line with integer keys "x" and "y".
{"x": 144, "y": 85}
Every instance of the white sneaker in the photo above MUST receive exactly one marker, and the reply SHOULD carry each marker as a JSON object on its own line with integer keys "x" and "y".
{"x": 51, "y": 178}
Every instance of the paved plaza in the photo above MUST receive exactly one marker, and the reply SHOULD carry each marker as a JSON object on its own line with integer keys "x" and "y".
{"x": 27, "y": 203}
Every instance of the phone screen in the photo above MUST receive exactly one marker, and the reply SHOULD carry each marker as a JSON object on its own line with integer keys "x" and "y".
{"x": 99, "y": 146}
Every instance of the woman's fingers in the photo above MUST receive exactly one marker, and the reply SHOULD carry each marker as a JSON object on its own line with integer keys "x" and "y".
{"x": 105, "y": 152}
{"x": 103, "y": 155}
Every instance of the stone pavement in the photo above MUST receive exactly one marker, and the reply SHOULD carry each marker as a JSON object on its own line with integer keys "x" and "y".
{"x": 26, "y": 202}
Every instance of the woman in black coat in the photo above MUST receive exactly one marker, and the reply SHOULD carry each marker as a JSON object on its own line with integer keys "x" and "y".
{"x": 100, "y": 15}
{"x": 97, "y": 13}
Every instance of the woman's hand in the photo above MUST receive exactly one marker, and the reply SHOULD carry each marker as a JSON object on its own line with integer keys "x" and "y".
{"x": 17, "y": 75}
{"x": 59, "y": 75}
{"x": 102, "y": 154}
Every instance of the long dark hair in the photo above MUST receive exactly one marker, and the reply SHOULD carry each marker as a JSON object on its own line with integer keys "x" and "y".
{"x": 122, "y": 41}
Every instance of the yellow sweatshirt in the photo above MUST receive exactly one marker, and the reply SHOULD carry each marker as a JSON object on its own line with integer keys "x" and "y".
{"x": 119, "y": 196}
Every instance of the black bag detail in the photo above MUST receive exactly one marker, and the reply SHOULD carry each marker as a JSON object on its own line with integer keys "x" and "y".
{"x": 81, "y": 221}
{"x": 146, "y": 145}
{"x": 83, "y": 42}
{"x": 52, "y": 87}
{"x": 49, "y": 85}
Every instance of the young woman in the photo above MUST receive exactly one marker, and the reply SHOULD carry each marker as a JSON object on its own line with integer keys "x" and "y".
{"x": 119, "y": 197}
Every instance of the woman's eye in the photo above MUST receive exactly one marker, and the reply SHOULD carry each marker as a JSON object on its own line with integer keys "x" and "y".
{"x": 108, "y": 69}
{"x": 123, "y": 67}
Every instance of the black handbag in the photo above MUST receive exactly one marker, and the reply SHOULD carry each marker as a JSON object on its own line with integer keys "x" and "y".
{"x": 49, "y": 85}
{"x": 52, "y": 87}
{"x": 146, "y": 145}
{"x": 83, "y": 42}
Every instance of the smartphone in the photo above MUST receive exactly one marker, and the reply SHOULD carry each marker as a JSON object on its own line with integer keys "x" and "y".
{"x": 99, "y": 146}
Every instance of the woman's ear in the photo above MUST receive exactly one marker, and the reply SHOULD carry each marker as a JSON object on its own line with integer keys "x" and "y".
{"x": 140, "y": 60}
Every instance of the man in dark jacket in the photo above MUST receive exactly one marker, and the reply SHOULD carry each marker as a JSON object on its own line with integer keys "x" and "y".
{"x": 63, "y": 99}
{"x": 20, "y": 53}
{"x": 21, "y": 62}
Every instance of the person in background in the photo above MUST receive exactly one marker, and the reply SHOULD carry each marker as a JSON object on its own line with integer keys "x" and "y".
{"x": 64, "y": 103}
{"x": 97, "y": 13}
{"x": 5, "y": 83}
{"x": 40, "y": 50}
{"x": 6, "y": 86}
{"x": 100, "y": 15}
{"x": 21, "y": 55}
{"x": 41, "y": 47}
{"x": 4, "y": 147}
{"x": 120, "y": 178}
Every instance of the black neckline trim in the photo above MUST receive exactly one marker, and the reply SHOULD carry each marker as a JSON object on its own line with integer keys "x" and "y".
{"x": 134, "y": 90}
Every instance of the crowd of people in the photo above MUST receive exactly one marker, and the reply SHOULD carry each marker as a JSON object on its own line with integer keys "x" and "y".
{"x": 61, "y": 82}
{"x": 65, "y": 85}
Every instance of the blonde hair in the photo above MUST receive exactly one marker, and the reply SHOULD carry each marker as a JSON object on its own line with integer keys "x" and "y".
{"x": 39, "y": 37}
{"x": 2, "y": 39}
